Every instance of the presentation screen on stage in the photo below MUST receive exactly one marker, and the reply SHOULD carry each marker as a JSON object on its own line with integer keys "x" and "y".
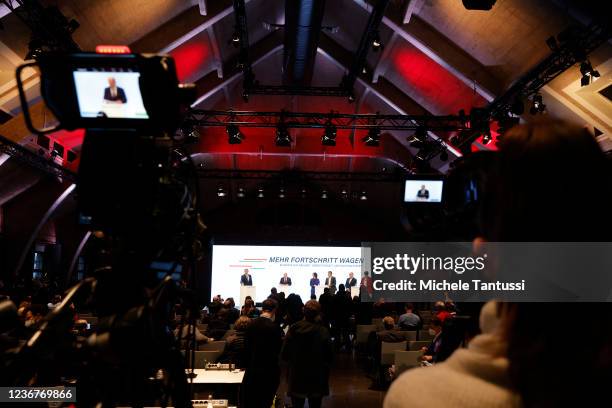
{"x": 267, "y": 264}
{"x": 423, "y": 191}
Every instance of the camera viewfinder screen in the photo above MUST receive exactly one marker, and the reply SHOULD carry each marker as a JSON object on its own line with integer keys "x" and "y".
{"x": 423, "y": 191}
{"x": 109, "y": 94}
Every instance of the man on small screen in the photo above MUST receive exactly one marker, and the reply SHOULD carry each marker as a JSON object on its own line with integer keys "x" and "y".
{"x": 113, "y": 93}
{"x": 246, "y": 279}
{"x": 423, "y": 193}
{"x": 350, "y": 281}
{"x": 285, "y": 280}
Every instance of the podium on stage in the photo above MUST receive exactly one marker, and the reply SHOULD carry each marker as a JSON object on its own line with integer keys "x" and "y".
{"x": 284, "y": 288}
{"x": 354, "y": 291}
{"x": 319, "y": 290}
{"x": 247, "y": 291}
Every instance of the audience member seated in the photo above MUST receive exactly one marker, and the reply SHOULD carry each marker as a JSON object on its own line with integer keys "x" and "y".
{"x": 186, "y": 336}
{"x": 263, "y": 342}
{"x": 308, "y": 353}
{"x": 440, "y": 311}
{"x": 235, "y": 350}
{"x": 34, "y": 315}
{"x": 249, "y": 308}
{"x": 430, "y": 353}
{"x": 409, "y": 320}
{"x": 218, "y": 324}
{"x": 389, "y": 334}
{"x": 57, "y": 299}
{"x": 232, "y": 312}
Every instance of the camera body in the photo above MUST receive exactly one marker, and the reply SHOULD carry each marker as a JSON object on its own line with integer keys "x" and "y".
{"x": 109, "y": 92}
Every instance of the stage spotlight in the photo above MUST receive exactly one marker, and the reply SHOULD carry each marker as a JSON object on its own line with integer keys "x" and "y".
{"x": 329, "y": 136}
{"x": 303, "y": 193}
{"x": 35, "y": 49}
{"x": 351, "y": 98}
{"x": 281, "y": 193}
{"x": 260, "y": 192}
{"x": 245, "y": 96}
{"x": 241, "y": 193}
{"x": 344, "y": 194}
{"x": 234, "y": 136}
{"x": 363, "y": 196}
{"x": 373, "y": 138}
{"x": 364, "y": 70}
{"x": 376, "y": 43}
{"x": 419, "y": 138}
{"x": 479, "y": 4}
{"x": 589, "y": 75}
{"x": 537, "y": 105}
{"x": 324, "y": 194}
{"x": 221, "y": 191}
{"x": 486, "y": 138}
{"x": 236, "y": 39}
{"x": 283, "y": 138}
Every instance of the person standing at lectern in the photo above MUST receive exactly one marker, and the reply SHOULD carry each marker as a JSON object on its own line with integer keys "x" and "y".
{"x": 246, "y": 279}
{"x": 285, "y": 280}
{"x": 330, "y": 282}
{"x": 350, "y": 282}
{"x": 113, "y": 93}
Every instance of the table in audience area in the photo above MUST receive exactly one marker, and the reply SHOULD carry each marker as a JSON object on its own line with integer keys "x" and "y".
{"x": 222, "y": 384}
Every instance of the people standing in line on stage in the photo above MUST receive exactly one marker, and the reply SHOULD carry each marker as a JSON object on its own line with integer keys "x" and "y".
{"x": 308, "y": 352}
{"x": 246, "y": 279}
{"x": 263, "y": 341}
{"x": 366, "y": 285}
{"x": 350, "y": 282}
{"x": 314, "y": 281}
{"x": 330, "y": 282}
{"x": 285, "y": 280}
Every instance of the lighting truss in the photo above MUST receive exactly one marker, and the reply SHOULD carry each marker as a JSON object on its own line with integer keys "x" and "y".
{"x": 577, "y": 44}
{"x": 206, "y": 118}
{"x": 301, "y": 176}
{"x": 30, "y": 158}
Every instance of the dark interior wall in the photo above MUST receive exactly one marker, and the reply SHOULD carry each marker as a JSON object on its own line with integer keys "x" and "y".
{"x": 20, "y": 218}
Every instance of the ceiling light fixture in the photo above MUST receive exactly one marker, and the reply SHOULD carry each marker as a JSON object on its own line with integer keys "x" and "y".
{"x": 234, "y": 135}
{"x": 329, "y": 135}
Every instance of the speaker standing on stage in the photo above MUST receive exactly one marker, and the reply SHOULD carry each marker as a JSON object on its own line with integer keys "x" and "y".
{"x": 330, "y": 282}
{"x": 285, "y": 280}
{"x": 350, "y": 281}
{"x": 314, "y": 281}
{"x": 246, "y": 279}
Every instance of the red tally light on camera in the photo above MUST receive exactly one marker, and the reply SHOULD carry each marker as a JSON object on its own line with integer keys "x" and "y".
{"x": 113, "y": 49}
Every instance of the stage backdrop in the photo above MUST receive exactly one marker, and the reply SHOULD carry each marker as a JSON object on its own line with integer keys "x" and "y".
{"x": 266, "y": 264}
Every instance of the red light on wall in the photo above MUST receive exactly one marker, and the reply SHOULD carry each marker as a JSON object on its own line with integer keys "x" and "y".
{"x": 113, "y": 49}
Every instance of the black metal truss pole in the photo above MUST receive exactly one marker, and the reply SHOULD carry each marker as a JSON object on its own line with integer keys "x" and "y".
{"x": 242, "y": 30}
{"x": 580, "y": 42}
{"x": 205, "y": 118}
{"x": 365, "y": 43}
{"x": 30, "y": 158}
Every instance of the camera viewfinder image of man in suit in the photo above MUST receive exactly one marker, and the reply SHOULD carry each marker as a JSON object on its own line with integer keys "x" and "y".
{"x": 246, "y": 279}
{"x": 113, "y": 93}
{"x": 423, "y": 193}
